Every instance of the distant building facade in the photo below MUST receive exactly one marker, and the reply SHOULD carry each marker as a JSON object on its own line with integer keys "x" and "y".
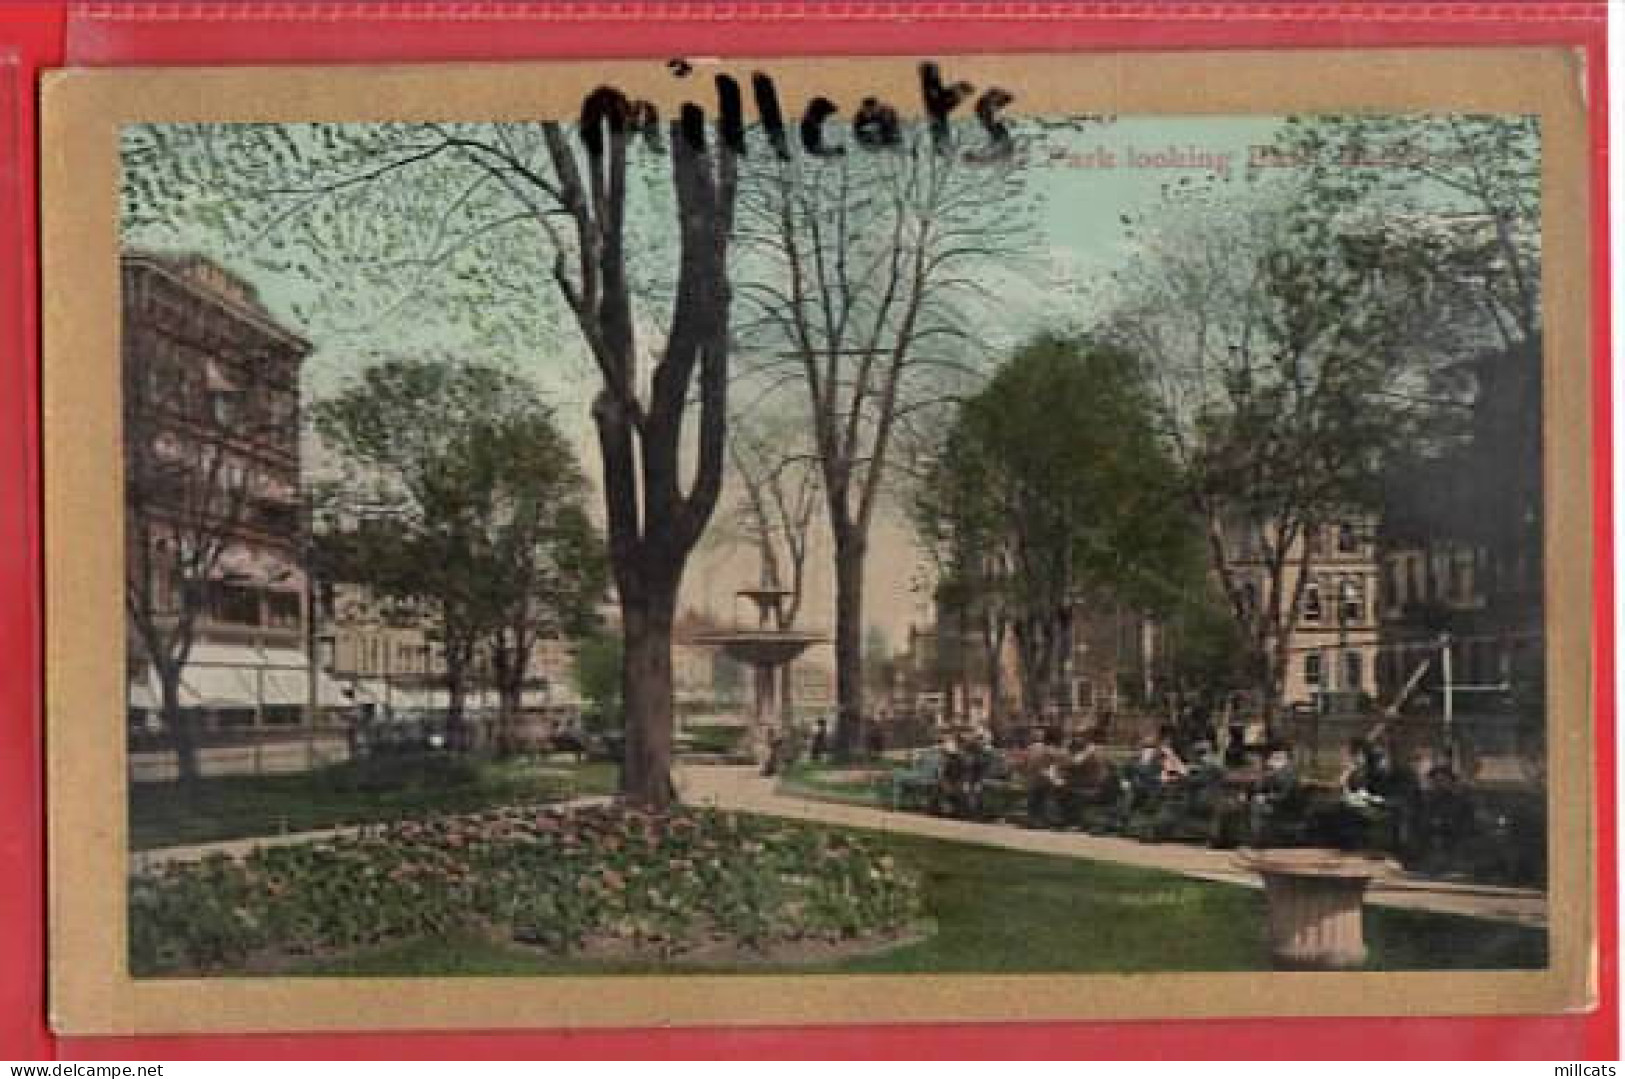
{"x": 1334, "y": 637}
{"x": 384, "y": 656}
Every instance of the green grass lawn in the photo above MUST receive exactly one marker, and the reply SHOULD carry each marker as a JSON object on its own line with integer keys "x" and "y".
{"x": 383, "y": 789}
{"x": 1006, "y": 912}
{"x": 831, "y": 784}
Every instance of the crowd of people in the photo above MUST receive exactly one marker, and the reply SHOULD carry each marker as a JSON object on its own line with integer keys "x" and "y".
{"x": 1223, "y": 783}
{"x": 1180, "y": 784}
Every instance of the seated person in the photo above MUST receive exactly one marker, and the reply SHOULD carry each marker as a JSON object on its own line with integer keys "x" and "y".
{"x": 1377, "y": 803}
{"x": 1087, "y": 779}
{"x": 1205, "y": 779}
{"x": 1040, "y": 774}
{"x": 1235, "y": 742}
{"x": 1190, "y": 793}
{"x": 1174, "y": 769}
{"x": 1358, "y": 766}
{"x": 1142, "y": 779}
{"x": 951, "y": 779}
{"x": 1277, "y": 795}
{"x": 979, "y": 761}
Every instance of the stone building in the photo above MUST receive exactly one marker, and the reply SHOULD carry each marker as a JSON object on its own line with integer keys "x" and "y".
{"x": 1335, "y": 635}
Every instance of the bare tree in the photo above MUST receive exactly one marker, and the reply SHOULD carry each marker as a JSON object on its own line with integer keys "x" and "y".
{"x": 778, "y": 497}
{"x": 867, "y": 270}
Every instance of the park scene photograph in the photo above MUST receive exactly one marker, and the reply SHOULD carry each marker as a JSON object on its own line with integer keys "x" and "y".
{"x": 914, "y": 538}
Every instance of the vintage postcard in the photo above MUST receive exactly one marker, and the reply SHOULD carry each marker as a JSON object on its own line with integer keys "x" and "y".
{"x": 920, "y": 538}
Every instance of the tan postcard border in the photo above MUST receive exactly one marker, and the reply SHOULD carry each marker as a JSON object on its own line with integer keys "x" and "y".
{"x": 83, "y": 111}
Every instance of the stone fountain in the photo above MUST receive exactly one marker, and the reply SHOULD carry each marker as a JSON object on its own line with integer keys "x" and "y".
{"x": 767, "y": 649}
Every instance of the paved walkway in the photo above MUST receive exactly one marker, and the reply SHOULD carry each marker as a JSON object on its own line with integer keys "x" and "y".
{"x": 745, "y": 789}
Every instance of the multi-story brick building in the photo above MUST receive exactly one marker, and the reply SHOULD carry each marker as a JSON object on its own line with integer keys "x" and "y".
{"x": 214, "y": 528}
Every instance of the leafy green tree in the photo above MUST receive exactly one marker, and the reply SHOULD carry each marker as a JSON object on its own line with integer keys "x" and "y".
{"x": 1054, "y": 488}
{"x": 545, "y": 566}
{"x": 1203, "y": 658}
{"x": 474, "y": 506}
{"x": 598, "y": 679}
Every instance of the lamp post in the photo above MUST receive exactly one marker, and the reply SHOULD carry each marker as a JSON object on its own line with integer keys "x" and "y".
{"x": 307, "y": 551}
{"x": 1446, "y": 676}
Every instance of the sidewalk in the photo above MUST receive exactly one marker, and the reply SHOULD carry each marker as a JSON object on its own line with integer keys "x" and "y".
{"x": 745, "y": 789}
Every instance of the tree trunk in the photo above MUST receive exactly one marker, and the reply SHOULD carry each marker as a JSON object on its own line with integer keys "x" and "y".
{"x": 849, "y": 559}
{"x": 646, "y": 689}
{"x": 510, "y": 700}
{"x": 993, "y": 641}
{"x": 181, "y": 726}
{"x": 962, "y": 659}
{"x": 785, "y": 688}
{"x": 1033, "y": 655}
{"x": 457, "y": 733}
{"x": 1274, "y": 684}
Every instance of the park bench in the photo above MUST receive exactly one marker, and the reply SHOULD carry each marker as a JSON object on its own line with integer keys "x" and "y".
{"x": 915, "y": 787}
{"x": 1003, "y": 793}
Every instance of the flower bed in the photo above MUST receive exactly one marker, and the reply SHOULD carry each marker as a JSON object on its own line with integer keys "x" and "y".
{"x": 657, "y": 886}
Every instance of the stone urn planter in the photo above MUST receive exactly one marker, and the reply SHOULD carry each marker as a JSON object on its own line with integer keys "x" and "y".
{"x": 1315, "y": 898}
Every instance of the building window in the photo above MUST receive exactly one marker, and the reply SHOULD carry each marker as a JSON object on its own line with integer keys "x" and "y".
{"x": 1351, "y": 600}
{"x": 1391, "y": 595}
{"x": 1347, "y": 541}
{"x": 234, "y": 604}
{"x": 282, "y": 609}
{"x": 276, "y": 519}
{"x": 1461, "y": 577}
{"x": 1353, "y": 671}
{"x": 1311, "y": 603}
{"x": 1311, "y": 668}
{"x": 233, "y": 718}
{"x": 225, "y": 407}
{"x": 283, "y": 715}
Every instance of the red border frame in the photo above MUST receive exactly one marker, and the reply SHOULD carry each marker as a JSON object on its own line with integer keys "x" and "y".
{"x": 42, "y": 35}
